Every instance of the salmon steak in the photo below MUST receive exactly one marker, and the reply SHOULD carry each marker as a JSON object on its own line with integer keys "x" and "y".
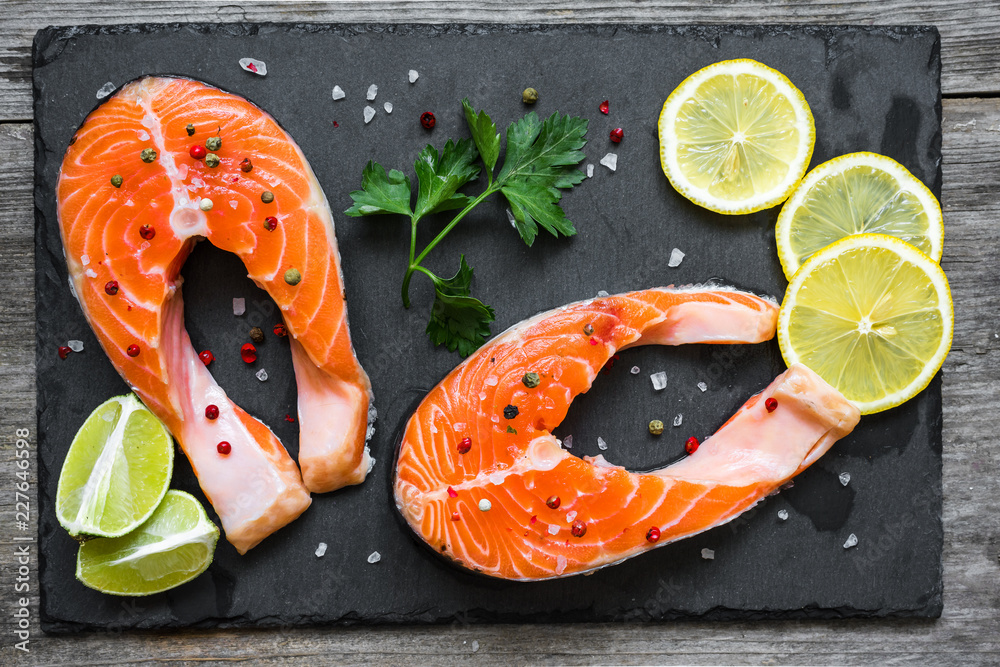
{"x": 480, "y": 478}
{"x": 160, "y": 165}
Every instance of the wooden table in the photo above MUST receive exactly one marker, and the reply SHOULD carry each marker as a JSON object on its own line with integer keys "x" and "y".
{"x": 969, "y": 629}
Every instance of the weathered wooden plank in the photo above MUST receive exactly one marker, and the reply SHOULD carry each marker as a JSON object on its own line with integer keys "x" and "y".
{"x": 968, "y": 632}
{"x": 970, "y": 29}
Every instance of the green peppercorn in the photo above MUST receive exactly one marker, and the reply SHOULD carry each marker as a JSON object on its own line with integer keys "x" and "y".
{"x": 511, "y": 429}
{"x": 190, "y": 129}
{"x": 293, "y": 277}
{"x": 147, "y": 155}
{"x": 256, "y": 335}
{"x": 212, "y": 160}
{"x": 531, "y": 380}
{"x": 116, "y": 180}
{"x": 267, "y": 196}
{"x": 213, "y": 143}
{"x": 529, "y": 96}
{"x": 656, "y": 427}
{"x": 589, "y": 329}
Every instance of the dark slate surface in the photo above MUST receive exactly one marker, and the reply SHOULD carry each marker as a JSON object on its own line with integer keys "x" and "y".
{"x": 874, "y": 89}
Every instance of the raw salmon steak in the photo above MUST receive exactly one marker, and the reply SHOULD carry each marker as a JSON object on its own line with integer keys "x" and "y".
{"x": 133, "y": 199}
{"x": 480, "y": 478}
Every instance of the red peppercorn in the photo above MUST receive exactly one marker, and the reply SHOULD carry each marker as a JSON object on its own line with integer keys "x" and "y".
{"x": 212, "y": 412}
{"x": 111, "y": 287}
{"x": 248, "y": 353}
{"x": 692, "y": 445}
{"x": 246, "y": 165}
{"x": 224, "y": 448}
{"x": 147, "y": 232}
{"x": 653, "y": 535}
{"x": 428, "y": 120}
{"x": 455, "y": 516}
{"x": 270, "y": 223}
{"x": 289, "y": 418}
{"x": 617, "y": 134}
{"x": 553, "y": 502}
{"x": 452, "y": 493}
{"x": 64, "y": 351}
{"x": 579, "y": 528}
{"x": 206, "y": 357}
{"x": 465, "y": 445}
{"x": 534, "y": 519}
{"x": 280, "y": 331}
{"x": 133, "y": 350}
{"x": 604, "y": 107}
{"x": 198, "y": 152}
{"x": 771, "y": 404}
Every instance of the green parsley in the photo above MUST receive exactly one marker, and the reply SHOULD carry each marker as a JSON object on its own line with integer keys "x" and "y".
{"x": 540, "y": 161}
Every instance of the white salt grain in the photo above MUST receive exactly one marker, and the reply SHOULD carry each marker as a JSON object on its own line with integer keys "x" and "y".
{"x": 561, "y": 564}
{"x": 492, "y": 381}
{"x": 676, "y": 257}
{"x": 413, "y": 75}
{"x": 783, "y": 515}
{"x": 845, "y": 478}
{"x": 553, "y": 529}
{"x": 338, "y": 93}
{"x": 372, "y": 92}
{"x": 635, "y": 370}
{"x": 496, "y": 478}
{"x": 601, "y": 445}
{"x": 511, "y": 218}
{"x": 91, "y": 273}
{"x": 610, "y": 161}
{"x": 458, "y": 427}
{"x": 590, "y": 171}
{"x": 105, "y": 90}
{"x": 485, "y": 505}
{"x": 708, "y": 554}
{"x": 568, "y": 442}
{"x": 261, "y": 375}
{"x": 374, "y": 557}
{"x": 85, "y": 259}
{"x": 852, "y": 541}
{"x": 258, "y": 67}
{"x": 388, "y": 107}
{"x": 601, "y": 294}
{"x": 678, "y": 420}
{"x": 321, "y": 550}
{"x": 233, "y": 204}
{"x": 369, "y": 114}
{"x": 475, "y": 646}
{"x": 659, "y": 381}
{"x": 239, "y": 306}
{"x": 570, "y": 516}
{"x": 75, "y": 345}
{"x": 143, "y": 135}
{"x": 703, "y": 386}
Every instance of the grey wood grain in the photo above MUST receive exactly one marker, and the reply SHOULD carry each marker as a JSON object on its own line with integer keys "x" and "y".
{"x": 970, "y": 29}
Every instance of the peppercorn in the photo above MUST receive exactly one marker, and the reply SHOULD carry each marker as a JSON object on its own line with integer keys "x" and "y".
{"x": 190, "y": 129}
{"x": 553, "y": 502}
{"x": 116, "y": 180}
{"x": 213, "y": 143}
{"x": 529, "y": 96}
{"x": 267, "y": 196}
{"x": 280, "y": 331}
{"x": 428, "y": 120}
{"x": 147, "y": 155}
{"x": 205, "y": 204}
{"x": 656, "y": 427}
{"x": 246, "y": 165}
{"x": 579, "y": 528}
{"x": 270, "y": 223}
{"x": 212, "y": 160}
{"x": 256, "y": 335}
{"x": 589, "y": 329}
{"x": 510, "y": 412}
{"x": 511, "y": 429}
{"x": 531, "y": 380}
{"x": 293, "y": 277}
{"x": 771, "y": 404}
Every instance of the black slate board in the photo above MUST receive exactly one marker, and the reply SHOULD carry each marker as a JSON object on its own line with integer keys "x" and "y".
{"x": 874, "y": 89}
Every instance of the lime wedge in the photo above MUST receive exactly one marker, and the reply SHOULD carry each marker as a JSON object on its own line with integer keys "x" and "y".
{"x": 173, "y": 547}
{"x": 116, "y": 471}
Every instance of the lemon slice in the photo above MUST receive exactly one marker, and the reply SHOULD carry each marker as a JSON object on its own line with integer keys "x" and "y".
{"x": 116, "y": 471}
{"x": 173, "y": 547}
{"x": 871, "y": 315}
{"x": 859, "y": 193}
{"x": 736, "y": 136}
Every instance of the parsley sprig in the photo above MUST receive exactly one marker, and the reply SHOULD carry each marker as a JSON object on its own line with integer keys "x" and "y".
{"x": 539, "y": 162}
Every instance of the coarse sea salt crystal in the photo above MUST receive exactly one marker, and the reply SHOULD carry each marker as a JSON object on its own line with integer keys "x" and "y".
{"x": 372, "y": 92}
{"x": 75, "y": 345}
{"x": 553, "y": 529}
{"x": 233, "y": 204}
{"x": 708, "y": 554}
{"x": 590, "y": 171}
{"x": 497, "y": 478}
{"x": 338, "y": 93}
{"x": 570, "y": 516}
{"x": 261, "y": 375}
{"x": 321, "y": 549}
{"x": 610, "y": 161}
{"x": 91, "y": 273}
{"x": 845, "y": 478}
{"x": 783, "y": 515}
{"x": 482, "y": 396}
{"x": 85, "y": 259}
{"x": 568, "y": 442}
{"x": 413, "y": 75}
{"x": 492, "y": 381}
{"x": 258, "y": 67}
{"x": 475, "y": 646}
{"x": 374, "y": 557}
{"x": 511, "y": 219}
{"x": 634, "y": 370}
{"x": 601, "y": 445}
{"x": 369, "y": 114}
{"x": 144, "y": 245}
{"x": 105, "y": 90}
{"x": 143, "y": 135}
{"x": 676, "y": 257}
{"x": 852, "y": 541}
{"x": 659, "y": 381}
{"x": 561, "y": 563}
{"x": 239, "y": 306}
{"x": 703, "y": 386}
{"x": 678, "y": 420}
{"x": 388, "y": 107}
{"x": 601, "y": 294}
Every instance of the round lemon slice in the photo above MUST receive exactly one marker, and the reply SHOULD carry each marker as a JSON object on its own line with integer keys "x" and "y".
{"x": 859, "y": 193}
{"x": 736, "y": 137}
{"x": 871, "y": 315}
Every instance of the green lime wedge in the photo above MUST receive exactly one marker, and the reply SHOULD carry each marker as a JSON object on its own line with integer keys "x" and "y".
{"x": 116, "y": 470}
{"x": 173, "y": 547}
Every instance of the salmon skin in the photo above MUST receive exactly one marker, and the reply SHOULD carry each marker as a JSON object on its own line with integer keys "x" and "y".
{"x": 125, "y": 242}
{"x": 480, "y": 478}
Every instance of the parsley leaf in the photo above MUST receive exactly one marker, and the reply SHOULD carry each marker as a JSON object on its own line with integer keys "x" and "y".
{"x": 484, "y": 133}
{"x": 380, "y": 194}
{"x": 438, "y": 177}
{"x": 458, "y": 320}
